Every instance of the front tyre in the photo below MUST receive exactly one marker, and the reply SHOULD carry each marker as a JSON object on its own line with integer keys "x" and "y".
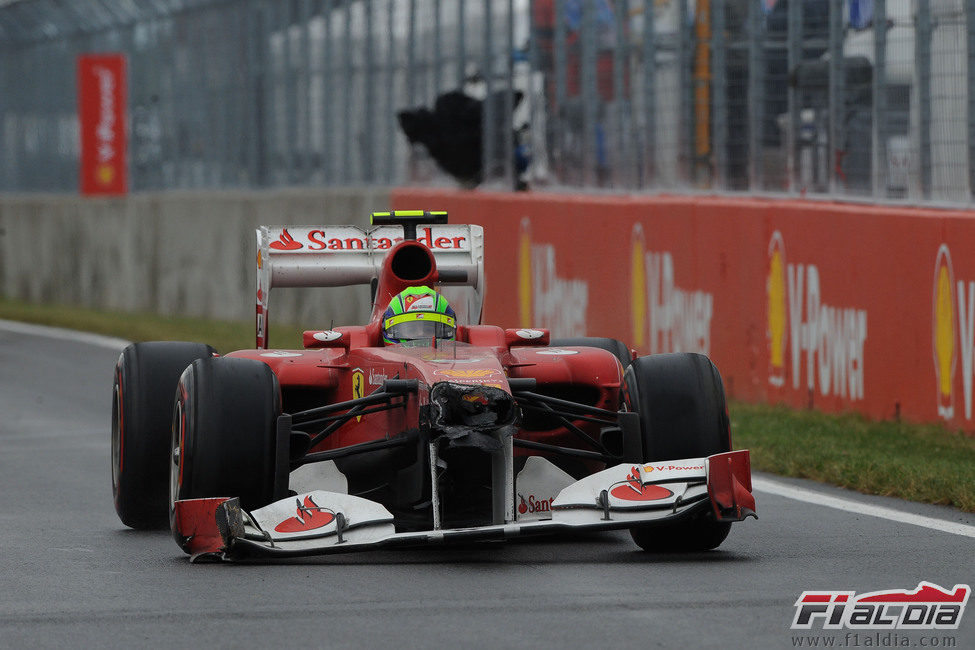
{"x": 683, "y": 414}
{"x": 142, "y": 404}
{"x": 224, "y": 433}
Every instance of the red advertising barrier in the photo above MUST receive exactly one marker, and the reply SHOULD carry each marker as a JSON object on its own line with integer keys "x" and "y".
{"x": 835, "y": 306}
{"x": 101, "y": 115}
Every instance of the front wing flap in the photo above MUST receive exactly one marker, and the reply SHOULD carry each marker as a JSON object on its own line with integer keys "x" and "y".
{"x": 320, "y": 522}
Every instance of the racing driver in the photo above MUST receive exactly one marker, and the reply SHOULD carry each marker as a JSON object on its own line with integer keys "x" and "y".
{"x": 418, "y": 313}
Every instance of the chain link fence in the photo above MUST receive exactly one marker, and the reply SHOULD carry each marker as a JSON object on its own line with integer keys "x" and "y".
{"x": 839, "y": 98}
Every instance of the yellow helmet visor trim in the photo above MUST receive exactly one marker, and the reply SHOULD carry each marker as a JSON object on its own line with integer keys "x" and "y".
{"x": 419, "y": 315}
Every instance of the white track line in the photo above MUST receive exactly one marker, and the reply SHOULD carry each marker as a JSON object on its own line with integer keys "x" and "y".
{"x": 30, "y": 329}
{"x": 818, "y": 498}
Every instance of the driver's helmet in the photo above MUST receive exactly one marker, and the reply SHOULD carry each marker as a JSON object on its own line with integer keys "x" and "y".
{"x": 418, "y": 313}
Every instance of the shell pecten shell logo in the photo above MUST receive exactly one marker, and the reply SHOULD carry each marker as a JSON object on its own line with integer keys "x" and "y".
{"x": 944, "y": 331}
{"x": 105, "y": 174}
{"x": 638, "y": 288}
{"x": 776, "y": 291}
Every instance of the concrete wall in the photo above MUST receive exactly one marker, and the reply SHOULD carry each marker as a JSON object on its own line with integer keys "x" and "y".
{"x": 186, "y": 254}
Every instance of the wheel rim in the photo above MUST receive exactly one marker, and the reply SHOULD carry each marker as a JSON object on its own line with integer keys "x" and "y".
{"x": 116, "y": 435}
{"x": 176, "y": 453}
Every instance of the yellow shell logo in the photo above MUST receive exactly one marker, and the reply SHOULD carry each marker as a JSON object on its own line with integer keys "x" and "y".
{"x": 525, "y": 274}
{"x": 945, "y": 353}
{"x": 638, "y": 288}
{"x": 775, "y": 287}
{"x": 105, "y": 174}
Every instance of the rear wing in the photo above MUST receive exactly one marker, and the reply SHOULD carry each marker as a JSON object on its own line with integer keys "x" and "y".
{"x": 338, "y": 256}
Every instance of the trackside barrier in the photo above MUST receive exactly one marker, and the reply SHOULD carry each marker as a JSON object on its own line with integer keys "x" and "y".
{"x": 172, "y": 253}
{"x": 834, "y": 306}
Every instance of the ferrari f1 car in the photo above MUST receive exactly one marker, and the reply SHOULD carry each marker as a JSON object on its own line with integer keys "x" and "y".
{"x": 475, "y": 433}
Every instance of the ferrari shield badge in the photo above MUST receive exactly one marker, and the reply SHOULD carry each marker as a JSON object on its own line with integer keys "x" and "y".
{"x": 358, "y": 387}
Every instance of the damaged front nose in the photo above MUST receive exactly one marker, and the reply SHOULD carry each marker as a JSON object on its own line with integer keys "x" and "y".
{"x": 474, "y": 406}
{"x": 471, "y": 416}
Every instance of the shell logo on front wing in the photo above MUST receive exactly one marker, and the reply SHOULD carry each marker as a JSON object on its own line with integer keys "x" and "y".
{"x": 673, "y": 468}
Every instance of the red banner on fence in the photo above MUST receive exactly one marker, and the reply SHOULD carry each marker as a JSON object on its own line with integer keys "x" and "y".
{"x": 101, "y": 114}
{"x": 812, "y": 304}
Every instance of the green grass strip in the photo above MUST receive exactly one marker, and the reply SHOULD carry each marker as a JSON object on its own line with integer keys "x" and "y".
{"x": 920, "y": 462}
{"x": 924, "y": 463}
{"x": 225, "y": 336}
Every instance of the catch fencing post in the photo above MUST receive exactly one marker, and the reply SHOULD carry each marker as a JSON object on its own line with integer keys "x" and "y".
{"x": 304, "y": 142}
{"x": 389, "y": 149}
{"x": 290, "y": 140}
{"x": 685, "y": 121}
{"x": 368, "y": 173}
{"x": 795, "y": 35}
{"x": 488, "y": 120}
{"x": 922, "y": 58}
{"x": 649, "y": 166}
{"x": 508, "y": 126}
{"x": 461, "y": 42}
{"x": 879, "y": 157}
{"x": 719, "y": 96}
{"x": 837, "y": 99}
{"x": 589, "y": 94}
{"x": 756, "y": 39}
{"x": 347, "y": 93}
{"x": 559, "y": 120}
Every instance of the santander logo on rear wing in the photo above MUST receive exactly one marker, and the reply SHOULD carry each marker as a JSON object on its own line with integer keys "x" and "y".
{"x": 350, "y": 239}
{"x": 337, "y": 256}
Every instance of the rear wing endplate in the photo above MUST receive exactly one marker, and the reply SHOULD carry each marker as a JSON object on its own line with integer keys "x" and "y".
{"x": 338, "y": 256}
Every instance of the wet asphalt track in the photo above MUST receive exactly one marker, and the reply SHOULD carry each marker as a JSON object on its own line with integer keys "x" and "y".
{"x": 73, "y": 576}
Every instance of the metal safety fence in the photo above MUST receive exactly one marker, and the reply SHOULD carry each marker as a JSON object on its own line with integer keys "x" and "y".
{"x": 836, "y": 98}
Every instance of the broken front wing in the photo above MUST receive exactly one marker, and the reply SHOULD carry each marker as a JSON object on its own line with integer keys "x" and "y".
{"x": 320, "y": 522}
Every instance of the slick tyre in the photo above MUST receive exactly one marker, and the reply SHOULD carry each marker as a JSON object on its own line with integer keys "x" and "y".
{"x": 224, "y": 433}
{"x": 617, "y": 347}
{"x": 683, "y": 414}
{"x": 142, "y": 406}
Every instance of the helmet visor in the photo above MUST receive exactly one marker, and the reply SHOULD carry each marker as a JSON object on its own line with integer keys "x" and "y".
{"x": 424, "y": 325}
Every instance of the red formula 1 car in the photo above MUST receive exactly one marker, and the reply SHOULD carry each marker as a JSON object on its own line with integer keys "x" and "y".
{"x": 351, "y": 444}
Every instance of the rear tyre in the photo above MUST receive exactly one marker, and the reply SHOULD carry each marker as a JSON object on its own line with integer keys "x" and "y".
{"x": 224, "y": 433}
{"x": 683, "y": 414}
{"x": 617, "y": 347}
{"x": 142, "y": 405}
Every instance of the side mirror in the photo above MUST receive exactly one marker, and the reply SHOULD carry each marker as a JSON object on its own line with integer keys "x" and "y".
{"x": 313, "y": 339}
{"x": 526, "y": 336}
